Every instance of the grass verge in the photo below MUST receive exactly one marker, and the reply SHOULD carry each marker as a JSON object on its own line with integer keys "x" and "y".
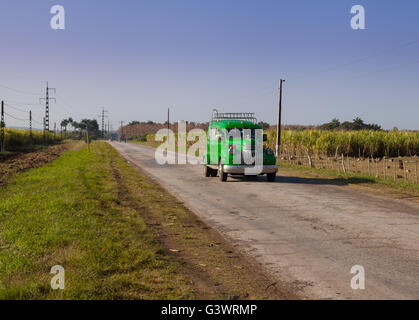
{"x": 118, "y": 235}
{"x": 395, "y": 189}
{"x": 69, "y": 213}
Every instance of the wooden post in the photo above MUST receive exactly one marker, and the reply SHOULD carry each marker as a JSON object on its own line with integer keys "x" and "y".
{"x": 2, "y": 125}
{"x": 376, "y": 167}
{"x": 395, "y": 175}
{"x": 310, "y": 163}
{"x": 384, "y": 166}
{"x": 369, "y": 171}
{"x": 343, "y": 164}
{"x": 87, "y": 141}
{"x": 416, "y": 171}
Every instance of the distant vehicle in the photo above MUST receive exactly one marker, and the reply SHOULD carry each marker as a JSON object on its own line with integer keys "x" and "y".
{"x": 222, "y": 148}
{"x": 122, "y": 138}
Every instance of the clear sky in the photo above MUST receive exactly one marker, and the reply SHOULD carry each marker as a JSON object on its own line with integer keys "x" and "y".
{"x": 137, "y": 58}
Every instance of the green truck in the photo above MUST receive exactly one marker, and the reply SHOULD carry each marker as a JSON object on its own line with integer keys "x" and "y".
{"x": 235, "y": 146}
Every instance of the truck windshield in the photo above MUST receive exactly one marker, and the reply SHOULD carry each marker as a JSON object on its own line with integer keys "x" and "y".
{"x": 247, "y": 133}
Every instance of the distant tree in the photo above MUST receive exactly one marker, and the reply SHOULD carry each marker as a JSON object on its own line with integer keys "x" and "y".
{"x": 134, "y": 122}
{"x": 90, "y": 125}
{"x": 374, "y": 127}
{"x": 334, "y": 124}
{"x": 264, "y": 125}
{"x": 64, "y": 125}
{"x": 70, "y": 121}
{"x": 356, "y": 124}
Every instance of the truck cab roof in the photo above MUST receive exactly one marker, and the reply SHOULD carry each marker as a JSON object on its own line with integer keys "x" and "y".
{"x": 234, "y": 124}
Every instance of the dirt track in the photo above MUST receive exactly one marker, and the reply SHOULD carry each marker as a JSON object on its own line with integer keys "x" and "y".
{"x": 304, "y": 231}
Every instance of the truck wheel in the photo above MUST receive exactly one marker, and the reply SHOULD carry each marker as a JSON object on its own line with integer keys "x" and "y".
{"x": 207, "y": 171}
{"x": 214, "y": 172}
{"x": 271, "y": 176}
{"x": 221, "y": 174}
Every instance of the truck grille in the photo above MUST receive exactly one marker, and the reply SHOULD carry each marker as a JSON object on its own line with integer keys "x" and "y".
{"x": 249, "y": 156}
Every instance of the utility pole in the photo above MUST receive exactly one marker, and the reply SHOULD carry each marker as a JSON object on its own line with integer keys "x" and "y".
{"x": 278, "y": 128}
{"x": 2, "y": 127}
{"x": 30, "y": 127}
{"x": 47, "y": 99}
{"x": 103, "y": 122}
{"x": 44, "y": 130}
{"x": 168, "y": 123}
{"x": 109, "y": 130}
{"x": 122, "y": 130}
{"x": 55, "y": 130}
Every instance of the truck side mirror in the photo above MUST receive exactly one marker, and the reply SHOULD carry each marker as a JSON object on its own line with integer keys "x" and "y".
{"x": 265, "y": 137}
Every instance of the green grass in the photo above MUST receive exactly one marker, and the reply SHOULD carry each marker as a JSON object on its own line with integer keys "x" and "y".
{"x": 387, "y": 186}
{"x": 70, "y": 213}
{"x": 153, "y": 144}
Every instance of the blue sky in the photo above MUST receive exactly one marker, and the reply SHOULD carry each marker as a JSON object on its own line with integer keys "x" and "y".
{"x": 137, "y": 58}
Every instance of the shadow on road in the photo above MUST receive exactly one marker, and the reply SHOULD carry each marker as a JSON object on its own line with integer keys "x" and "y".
{"x": 299, "y": 180}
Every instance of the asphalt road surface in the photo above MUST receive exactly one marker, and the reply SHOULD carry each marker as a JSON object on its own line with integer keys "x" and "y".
{"x": 306, "y": 232}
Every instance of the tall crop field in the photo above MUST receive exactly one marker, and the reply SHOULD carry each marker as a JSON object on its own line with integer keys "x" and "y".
{"x": 21, "y": 138}
{"x": 365, "y": 143}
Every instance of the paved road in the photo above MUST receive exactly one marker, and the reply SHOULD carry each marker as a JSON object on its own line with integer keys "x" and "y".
{"x": 306, "y": 232}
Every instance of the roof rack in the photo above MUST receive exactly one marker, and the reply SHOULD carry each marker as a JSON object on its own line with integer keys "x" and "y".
{"x": 244, "y": 116}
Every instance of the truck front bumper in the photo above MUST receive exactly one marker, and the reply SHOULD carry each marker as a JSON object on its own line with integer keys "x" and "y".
{"x": 240, "y": 169}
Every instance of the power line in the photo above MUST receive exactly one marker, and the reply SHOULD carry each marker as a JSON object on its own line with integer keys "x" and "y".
{"x": 19, "y": 91}
{"x": 21, "y": 110}
{"x": 19, "y": 119}
{"x": 38, "y": 122}
{"x": 16, "y": 108}
{"x": 392, "y": 68}
{"x": 374, "y": 55}
{"x": 19, "y": 103}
